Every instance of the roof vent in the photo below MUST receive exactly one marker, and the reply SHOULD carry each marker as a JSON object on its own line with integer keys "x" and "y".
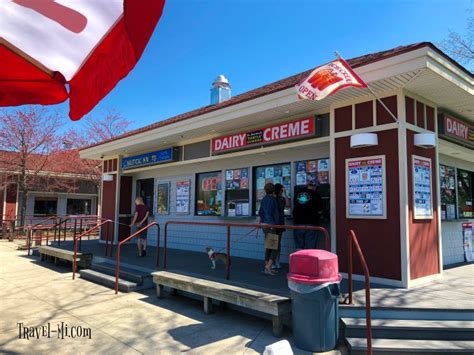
{"x": 220, "y": 90}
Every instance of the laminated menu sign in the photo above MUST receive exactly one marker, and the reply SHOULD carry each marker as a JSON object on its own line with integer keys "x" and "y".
{"x": 182, "y": 196}
{"x": 366, "y": 187}
{"x": 422, "y": 199}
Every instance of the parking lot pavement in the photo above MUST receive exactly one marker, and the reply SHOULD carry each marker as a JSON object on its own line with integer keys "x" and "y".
{"x": 44, "y": 310}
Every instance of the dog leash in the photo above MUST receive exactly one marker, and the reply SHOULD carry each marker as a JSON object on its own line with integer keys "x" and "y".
{"x": 242, "y": 237}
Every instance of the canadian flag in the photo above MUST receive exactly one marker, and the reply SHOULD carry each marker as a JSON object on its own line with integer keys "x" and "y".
{"x": 328, "y": 79}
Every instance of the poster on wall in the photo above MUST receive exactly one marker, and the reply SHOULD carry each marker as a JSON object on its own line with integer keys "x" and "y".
{"x": 467, "y": 241}
{"x": 422, "y": 197}
{"x": 163, "y": 198}
{"x": 312, "y": 171}
{"x": 447, "y": 184}
{"x": 365, "y": 187}
{"x": 183, "y": 189}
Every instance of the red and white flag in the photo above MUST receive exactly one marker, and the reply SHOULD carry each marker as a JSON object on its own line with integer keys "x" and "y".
{"x": 328, "y": 79}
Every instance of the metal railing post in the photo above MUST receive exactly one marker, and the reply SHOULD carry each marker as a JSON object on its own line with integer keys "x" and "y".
{"x": 349, "y": 267}
{"x": 158, "y": 232}
{"x": 368, "y": 316}
{"x": 28, "y": 237}
{"x": 165, "y": 246}
{"x": 227, "y": 267}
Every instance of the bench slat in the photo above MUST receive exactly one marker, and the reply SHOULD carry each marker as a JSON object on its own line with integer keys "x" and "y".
{"x": 252, "y": 299}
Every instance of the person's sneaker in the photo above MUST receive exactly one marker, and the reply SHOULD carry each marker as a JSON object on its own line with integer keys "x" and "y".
{"x": 276, "y": 265}
{"x": 268, "y": 272}
{"x": 144, "y": 252}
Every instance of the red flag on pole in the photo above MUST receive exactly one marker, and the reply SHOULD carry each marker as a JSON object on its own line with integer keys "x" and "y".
{"x": 328, "y": 79}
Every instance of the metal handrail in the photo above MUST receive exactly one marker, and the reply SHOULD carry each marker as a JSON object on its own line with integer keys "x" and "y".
{"x": 240, "y": 225}
{"x": 119, "y": 246}
{"x": 87, "y": 232}
{"x": 352, "y": 239}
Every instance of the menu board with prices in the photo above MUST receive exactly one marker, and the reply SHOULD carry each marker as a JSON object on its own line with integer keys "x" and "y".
{"x": 422, "y": 199}
{"x": 312, "y": 170}
{"x": 366, "y": 187}
{"x": 183, "y": 189}
{"x": 447, "y": 182}
{"x": 275, "y": 174}
{"x": 237, "y": 192}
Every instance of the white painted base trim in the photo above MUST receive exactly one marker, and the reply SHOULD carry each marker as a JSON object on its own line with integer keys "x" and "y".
{"x": 425, "y": 279}
{"x": 378, "y": 280}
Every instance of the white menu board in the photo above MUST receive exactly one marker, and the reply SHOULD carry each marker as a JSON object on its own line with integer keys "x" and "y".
{"x": 365, "y": 187}
{"x": 183, "y": 189}
{"x": 422, "y": 196}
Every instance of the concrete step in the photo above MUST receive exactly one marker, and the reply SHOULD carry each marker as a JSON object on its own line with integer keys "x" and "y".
{"x": 346, "y": 311}
{"x": 108, "y": 280}
{"x": 409, "y": 329}
{"x": 125, "y": 273}
{"x": 358, "y": 346}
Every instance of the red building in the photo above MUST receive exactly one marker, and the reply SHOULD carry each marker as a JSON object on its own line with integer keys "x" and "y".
{"x": 405, "y": 187}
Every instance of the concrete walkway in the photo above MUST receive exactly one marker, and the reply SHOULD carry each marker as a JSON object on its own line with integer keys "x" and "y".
{"x": 37, "y": 294}
{"x": 454, "y": 291}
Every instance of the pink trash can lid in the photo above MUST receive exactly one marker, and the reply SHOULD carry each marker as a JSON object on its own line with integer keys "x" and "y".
{"x": 314, "y": 266}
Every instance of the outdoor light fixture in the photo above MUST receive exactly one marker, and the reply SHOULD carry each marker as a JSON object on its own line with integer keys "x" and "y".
{"x": 425, "y": 140}
{"x": 363, "y": 140}
{"x": 107, "y": 177}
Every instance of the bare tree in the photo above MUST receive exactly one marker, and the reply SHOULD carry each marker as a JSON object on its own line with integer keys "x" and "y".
{"x": 106, "y": 126}
{"x": 96, "y": 129}
{"x": 27, "y": 139}
{"x": 461, "y": 46}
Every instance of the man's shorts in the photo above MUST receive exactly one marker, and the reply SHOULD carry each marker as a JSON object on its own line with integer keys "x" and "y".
{"x": 143, "y": 234}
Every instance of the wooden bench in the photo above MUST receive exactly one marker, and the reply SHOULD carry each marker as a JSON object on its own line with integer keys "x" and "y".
{"x": 277, "y": 306}
{"x": 83, "y": 259}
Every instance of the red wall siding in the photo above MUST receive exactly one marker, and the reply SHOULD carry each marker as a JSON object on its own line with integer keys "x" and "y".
{"x": 378, "y": 238}
{"x": 364, "y": 114}
{"x": 420, "y": 114}
{"x": 423, "y": 234}
{"x": 125, "y": 205}
{"x": 430, "y": 119}
{"x": 10, "y": 201}
{"x": 108, "y": 205}
{"x": 410, "y": 109}
{"x": 383, "y": 117}
{"x": 2, "y": 198}
{"x": 343, "y": 119}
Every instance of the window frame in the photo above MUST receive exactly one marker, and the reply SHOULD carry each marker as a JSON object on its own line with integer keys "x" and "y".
{"x": 196, "y": 194}
{"x": 254, "y": 186}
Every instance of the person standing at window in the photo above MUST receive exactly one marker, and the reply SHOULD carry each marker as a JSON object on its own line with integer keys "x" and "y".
{"x": 307, "y": 211}
{"x": 269, "y": 214}
{"x": 282, "y": 202}
{"x": 140, "y": 220}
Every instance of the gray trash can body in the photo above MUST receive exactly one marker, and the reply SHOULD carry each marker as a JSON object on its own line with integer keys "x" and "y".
{"x": 315, "y": 318}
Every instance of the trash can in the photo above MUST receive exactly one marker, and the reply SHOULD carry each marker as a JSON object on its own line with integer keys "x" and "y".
{"x": 314, "y": 286}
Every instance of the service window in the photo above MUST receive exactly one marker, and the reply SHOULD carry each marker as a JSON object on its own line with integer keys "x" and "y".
{"x": 276, "y": 174}
{"x": 45, "y": 206}
{"x": 318, "y": 171}
{"x": 447, "y": 181}
{"x": 209, "y": 194}
{"x": 237, "y": 193}
{"x": 78, "y": 206}
{"x": 465, "y": 194}
{"x": 146, "y": 190}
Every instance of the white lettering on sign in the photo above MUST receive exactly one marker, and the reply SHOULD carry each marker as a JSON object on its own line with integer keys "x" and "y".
{"x": 288, "y": 130}
{"x": 456, "y": 128}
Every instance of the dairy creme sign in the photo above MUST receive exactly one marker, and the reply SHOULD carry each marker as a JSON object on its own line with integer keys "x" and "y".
{"x": 304, "y": 127}
{"x": 456, "y": 130}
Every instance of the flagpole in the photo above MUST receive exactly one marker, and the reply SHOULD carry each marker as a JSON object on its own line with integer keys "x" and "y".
{"x": 374, "y": 95}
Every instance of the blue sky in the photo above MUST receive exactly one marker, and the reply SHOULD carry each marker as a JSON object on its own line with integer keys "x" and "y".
{"x": 256, "y": 42}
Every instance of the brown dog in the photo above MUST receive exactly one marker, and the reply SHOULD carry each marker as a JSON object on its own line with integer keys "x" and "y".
{"x": 213, "y": 256}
